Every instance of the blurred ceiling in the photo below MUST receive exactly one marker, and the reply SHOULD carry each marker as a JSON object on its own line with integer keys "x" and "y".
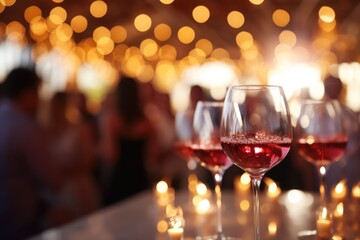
{"x": 258, "y": 21}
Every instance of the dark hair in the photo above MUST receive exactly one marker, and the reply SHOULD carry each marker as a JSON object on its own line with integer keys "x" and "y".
{"x": 128, "y": 100}
{"x": 19, "y": 80}
{"x": 332, "y": 86}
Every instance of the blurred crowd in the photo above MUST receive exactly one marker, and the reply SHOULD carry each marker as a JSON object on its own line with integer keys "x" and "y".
{"x": 73, "y": 162}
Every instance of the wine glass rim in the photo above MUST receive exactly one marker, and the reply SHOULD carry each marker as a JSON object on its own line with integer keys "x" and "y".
{"x": 255, "y": 86}
{"x": 319, "y": 101}
{"x": 211, "y": 103}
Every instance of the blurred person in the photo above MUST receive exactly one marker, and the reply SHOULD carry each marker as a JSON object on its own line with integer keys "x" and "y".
{"x": 165, "y": 163}
{"x": 72, "y": 149}
{"x": 127, "y": 134}
{"x": 89, "y": 123}
{"x": 349, "y": 166}
{"x": 29, "y": 182}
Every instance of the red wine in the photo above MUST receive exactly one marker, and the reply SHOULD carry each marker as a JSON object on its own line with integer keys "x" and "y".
{"x": 212, "y": 157}
{"x": 322, "y": 152}
{"x": 254, "y": 154}
{"x": 184, "y": 149}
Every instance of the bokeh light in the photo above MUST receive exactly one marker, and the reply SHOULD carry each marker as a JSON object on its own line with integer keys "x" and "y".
{"x": 98, "y": 8}
{"x": 236, "y": 19}
{"x": 142, "y": 22}
{"x": 186, "y": 35}
{"x": 201, "y": 14}
{"x": 281, "y": 18}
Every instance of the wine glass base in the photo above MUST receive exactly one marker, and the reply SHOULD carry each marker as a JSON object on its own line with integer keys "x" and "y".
{"x": 307, "y": 235}
{"x": 217, "y": 237}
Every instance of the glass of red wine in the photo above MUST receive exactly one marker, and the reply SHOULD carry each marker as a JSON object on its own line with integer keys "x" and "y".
{"x": 321, "y": 137}
{"x": 183, "y": 130}
{"x": 208, "y": 151}
{"x": 256, "y": 132}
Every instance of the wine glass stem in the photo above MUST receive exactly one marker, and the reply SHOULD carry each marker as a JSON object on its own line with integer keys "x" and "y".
{"x": 255, "y": 182}
{"x": 218, "y": 179}
{"x": 322, "y": 174}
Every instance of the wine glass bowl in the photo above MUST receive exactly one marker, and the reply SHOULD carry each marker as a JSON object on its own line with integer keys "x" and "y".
{"x": 208, "y": 151}
{"x": 320, "y": 134}
{"x": 321, "y": 138}
{"x": 183, "y": 143}
{"x": 256, "y": 132}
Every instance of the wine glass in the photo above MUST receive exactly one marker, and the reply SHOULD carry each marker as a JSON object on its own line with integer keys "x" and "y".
{"x": 183, "y": 130}
{"x": 256, "y": 132}
{"x": 321, "y": 137}
{"x": 208, "y": 152}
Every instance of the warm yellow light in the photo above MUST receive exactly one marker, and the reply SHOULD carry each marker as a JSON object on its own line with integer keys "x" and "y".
{"x": 101, "y": 32}
{"x": 2, "y": 7}
{"x": 327, "y": 14}
{"x": 186, "y": 35}
{"x": 201, "y": 189}
{"x": 119, "y": 51}
{"x": 8, "y": 3}
{"x": 162, "y": 32}
{"x": 142, "y": 22}
{"x": 201, "y": 14}
{"x": 98, "y": 8}
{"x": 132, "y": 65}
{"x": 287, "y": 37}
{"x": 250, "y": 53}
{"x": 281, "y": 18}
{"x": 105, "y": 45}
{"x": 205, "y": 45}
{"x": 31, "y": 13}
{"x": 58, "y": 15}
{"x": 162, "y": 226}
{"x": 235, "y": 19}
{"x": 38, "y": 27}
{"x": 327, "y": 26}
{"x": 118, "y": 34}
{"x": 15, "y": 30}
{"x": 162, "y": 187}
{"x": 256, "y": 2}
{"x": 167, "y": 1}
{"x": 167, "y": 52}
{"x": 145, "y": 73}
{"x": 165, "y": 76}
{"x": 57, "y": 1}
{"x": 198, "y": 54}
{"x": 64, "y": 32}
{"x": 79, "y": 23}
{"x": 272, "y": 228}
{"x": 355, "y": 192}
{"x": 245, "y": 179}
{"x": 244, "y": 40}
{"x": 80, "y": 53}
{"x": 339, "y": 210}
{"x": 220, "y": 53}
{"x": 148, "y": 48}
{"x": 244, "y": 205}
{"x": 203, "y": 206}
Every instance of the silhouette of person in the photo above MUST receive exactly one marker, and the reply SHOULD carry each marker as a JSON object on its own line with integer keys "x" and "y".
{"x": 130, "y": 134}
{"x": 71, "y": 147}
{"x": 29, "y": 181}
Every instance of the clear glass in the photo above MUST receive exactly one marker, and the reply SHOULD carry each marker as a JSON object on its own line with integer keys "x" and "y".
{"x": 208, "y": 152}
{"x": 183, "y": 130}
{"x": 321, "y": 137}
{"x": 256, "y": 132}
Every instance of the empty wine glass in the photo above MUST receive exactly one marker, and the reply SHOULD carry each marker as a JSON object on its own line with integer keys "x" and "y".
{"x": 208, "y": 152}
{"x": 321, "y": 137}
{"x": 256, "y": 132}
